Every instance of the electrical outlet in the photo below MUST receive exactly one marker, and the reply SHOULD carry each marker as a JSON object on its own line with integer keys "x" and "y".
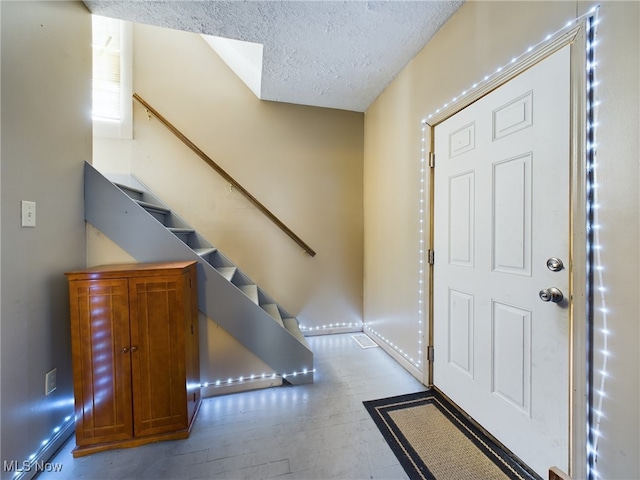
{"x": 50, "y": 381}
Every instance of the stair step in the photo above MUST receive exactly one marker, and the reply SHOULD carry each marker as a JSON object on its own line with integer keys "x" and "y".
{"x": 182, "y": 233}
{"x": 156, "y": 211}
{"x": 227, "y": 272}
{"x": 291, "y": 324}
{"x": 250, "y": 291}
{"x": 151, "y": 206}
{"x": 203, "y": 252}
{"x": 133, "y": 192}
{"x": 272, "y": 309}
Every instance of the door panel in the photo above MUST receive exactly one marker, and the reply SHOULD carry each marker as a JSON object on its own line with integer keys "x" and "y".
{"x": 102, "y": 371}
{"x": 461, "y": 220}
{"x": 511, "y": 232}
{"x": 501, "y": 210}
{"x": 511, "y": 362}
{"x": 462, "y": 140}
{"x": 157, "y": 332}
{"x": 461, "y": 330}
{"x": 513, "y": 116}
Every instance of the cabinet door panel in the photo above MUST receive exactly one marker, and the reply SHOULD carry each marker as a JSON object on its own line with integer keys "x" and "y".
{"x": 102, "y": 371}
{"x": 158, "y": 363}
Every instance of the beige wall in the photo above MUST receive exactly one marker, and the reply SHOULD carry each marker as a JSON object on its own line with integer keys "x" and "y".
{"x": 303, "y": 163}
{"x": 46, "y": 137}
{"x": 476, "y": 40}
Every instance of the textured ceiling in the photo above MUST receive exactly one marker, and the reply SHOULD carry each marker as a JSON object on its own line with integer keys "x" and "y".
{"x": 321, "y": 53}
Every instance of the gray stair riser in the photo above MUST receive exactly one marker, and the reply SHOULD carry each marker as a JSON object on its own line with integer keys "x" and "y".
{"x": 160, "y": 216}
{"x": 131, "y": 192}
{"x": 183, "y": 237}
{"x": 207, "y": 258}
{"x": 291, "y": 324}
{"x": 272, "y": 310}
{"x": 227, "y": 272}
{"x": 250, "y": 291}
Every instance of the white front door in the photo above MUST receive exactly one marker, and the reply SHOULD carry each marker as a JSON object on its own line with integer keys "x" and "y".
{"x": 501, "y": 212}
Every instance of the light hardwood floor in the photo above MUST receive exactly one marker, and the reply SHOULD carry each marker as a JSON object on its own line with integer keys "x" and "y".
{"x": 317, "y": 431}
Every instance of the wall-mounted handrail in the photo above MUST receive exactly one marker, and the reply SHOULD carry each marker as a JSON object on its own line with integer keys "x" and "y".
{"x": 224, "y": 174}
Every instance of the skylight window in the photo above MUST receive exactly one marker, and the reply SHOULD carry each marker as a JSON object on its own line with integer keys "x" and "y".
{"x": 244, "y": 58}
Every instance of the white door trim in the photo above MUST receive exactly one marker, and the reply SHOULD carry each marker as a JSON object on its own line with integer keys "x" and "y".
{"x": 575, "y": 35}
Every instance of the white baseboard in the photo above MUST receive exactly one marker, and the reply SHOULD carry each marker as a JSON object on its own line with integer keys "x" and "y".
{"x": 39, "y": 464}
{"x": 408, "y": 366}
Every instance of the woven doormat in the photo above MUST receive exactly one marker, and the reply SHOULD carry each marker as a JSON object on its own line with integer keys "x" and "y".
{"x": 433, "y": 440}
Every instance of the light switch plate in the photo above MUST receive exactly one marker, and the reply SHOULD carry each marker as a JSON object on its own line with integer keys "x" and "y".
{"x": 28, "y": 213}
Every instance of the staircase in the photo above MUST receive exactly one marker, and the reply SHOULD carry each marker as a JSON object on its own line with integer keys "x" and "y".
{"x": 142, "y": 225}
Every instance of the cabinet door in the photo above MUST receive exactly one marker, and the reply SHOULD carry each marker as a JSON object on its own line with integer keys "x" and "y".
{"x": 101, "y": 362}
{"x": 158, "y": 354}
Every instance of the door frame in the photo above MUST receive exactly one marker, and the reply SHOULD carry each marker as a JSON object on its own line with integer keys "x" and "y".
{"x": 577, "y": 35}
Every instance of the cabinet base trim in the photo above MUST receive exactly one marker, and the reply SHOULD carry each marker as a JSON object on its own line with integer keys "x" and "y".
{"x": 82, "y": 450}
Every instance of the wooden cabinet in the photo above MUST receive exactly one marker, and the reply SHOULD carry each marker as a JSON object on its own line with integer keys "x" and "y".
{"x": 134, "y": 338}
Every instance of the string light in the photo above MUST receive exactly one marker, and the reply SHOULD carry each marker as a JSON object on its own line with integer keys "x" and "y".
{"x": 513, "y": 60}
{"x": 422, "y": 212}
{"x": 594, "y": 248}
{"x": 31, "y": 464}
{"x": 254, "y": 378}
{"x": 421, "y": 251}
{"x": 597, "y": 392}
{"x": 330, "y": 326}
{"x": 68, "y": 420}
{"x": 396, "y": 348}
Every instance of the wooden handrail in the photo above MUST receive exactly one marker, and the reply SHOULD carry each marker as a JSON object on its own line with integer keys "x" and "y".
{"x": 224, "y": 174}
